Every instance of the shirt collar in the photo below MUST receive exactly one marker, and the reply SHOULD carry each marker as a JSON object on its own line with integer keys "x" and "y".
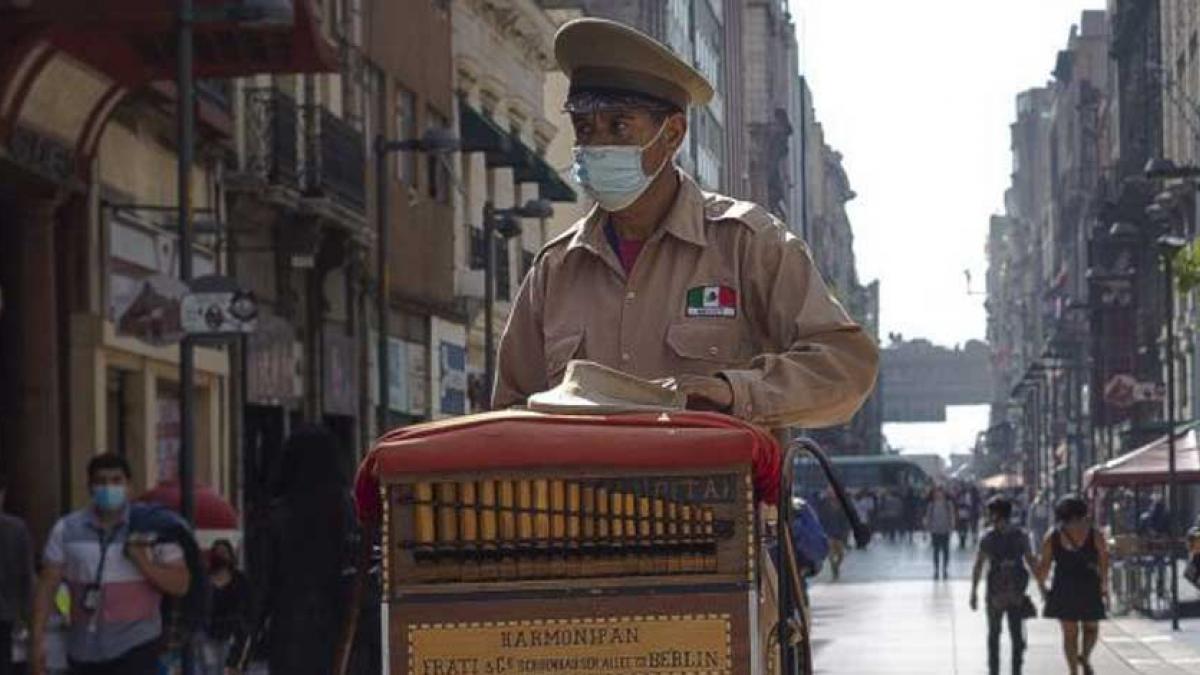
{"x": 684, "y": 220}
{"x": 94, "y": 518}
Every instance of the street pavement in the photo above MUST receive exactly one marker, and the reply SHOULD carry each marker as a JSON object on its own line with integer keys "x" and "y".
{"x": 887, "y": 616}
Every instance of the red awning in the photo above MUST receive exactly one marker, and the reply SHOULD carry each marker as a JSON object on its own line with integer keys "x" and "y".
{"x": 1148, "y": 464}
{"x": 212, "y": 511}
{"x": 522, "y": 440}
{"x": 133, "y": 41}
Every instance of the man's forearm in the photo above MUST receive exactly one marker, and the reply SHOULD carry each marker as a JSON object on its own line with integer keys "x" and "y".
{"x": 43, "y": 600}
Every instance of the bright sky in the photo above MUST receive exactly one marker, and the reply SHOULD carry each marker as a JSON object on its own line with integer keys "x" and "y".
{"x": 918, "y": 96}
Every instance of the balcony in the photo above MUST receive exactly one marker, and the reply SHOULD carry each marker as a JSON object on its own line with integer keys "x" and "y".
{"x": 337, "y": 165}
{"x": 272, "y": 132}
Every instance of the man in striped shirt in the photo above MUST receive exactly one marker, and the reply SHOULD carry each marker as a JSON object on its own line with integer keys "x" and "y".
{"x": 117, "y": 580}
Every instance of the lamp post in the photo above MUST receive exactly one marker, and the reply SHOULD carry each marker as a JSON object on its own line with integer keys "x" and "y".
{"x": 435, "y": 141}
{"x": 1168, "y": 246}
{"x": 504, "y": 222}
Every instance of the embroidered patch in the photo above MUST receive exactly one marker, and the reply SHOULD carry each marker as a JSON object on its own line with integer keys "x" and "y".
{"x": 712, "y": 301}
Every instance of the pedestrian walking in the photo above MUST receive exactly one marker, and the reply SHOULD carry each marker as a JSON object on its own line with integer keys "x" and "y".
{"x": 864, "y": 503}
{"x": 939, "y": 522}
{"x": 229, "y": 615}
{"x": 1079, "y": 555}
{"x": 1039, "y": 517}
{"x": 962, "y": 516}
{"x": 1004, "y": 549}
{"x": 913, "y": 507}
{"x": 16, "y": 581}
{"x": 302, "y": 601}
{"x": 837, "y": 530}
{"x": 117, "y": 579}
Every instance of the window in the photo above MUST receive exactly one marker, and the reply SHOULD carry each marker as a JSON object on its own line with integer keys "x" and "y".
{"x": 478, "y": 249}
{"x": 503, "y": 276}
{"x": 437, "y": 167}
{"x": 406, "y": 129}
{"x": 526, "y": 263}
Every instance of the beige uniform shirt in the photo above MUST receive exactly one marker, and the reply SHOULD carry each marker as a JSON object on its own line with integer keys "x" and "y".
{"x": 720, "y": 288}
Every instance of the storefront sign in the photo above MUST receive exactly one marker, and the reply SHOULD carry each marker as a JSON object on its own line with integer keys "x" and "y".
{"x": 340, "y": 373}
{"x": 452, "y": 385}
{"x": 167, "y": 428}
{"x": 273, "y": 363}
{"x": 448, "y": 347}
{"x": 217, "y": 307}
{"x": 652, "y": 645}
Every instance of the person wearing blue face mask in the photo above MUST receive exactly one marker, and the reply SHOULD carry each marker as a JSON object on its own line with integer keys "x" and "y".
{"x": 117, "y": 582}
{"x": 712, "y": 296}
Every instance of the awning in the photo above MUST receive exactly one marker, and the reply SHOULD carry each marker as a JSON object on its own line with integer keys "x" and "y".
{"x": 65, "y": 65}
{"x": 478, "y": 133}
{"x": 533, "y": 168}
{"x": 133, "y": 41}
{"x": 1148, "y": 464}
{"x": 1002, "y": 481}
{"x": 212, "y": 512}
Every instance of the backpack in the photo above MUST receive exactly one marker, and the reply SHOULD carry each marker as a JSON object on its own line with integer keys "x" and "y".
{"x": 1007, "y": 577}
{"x": 189, "y": 613}
{"x": 808, "y": 538}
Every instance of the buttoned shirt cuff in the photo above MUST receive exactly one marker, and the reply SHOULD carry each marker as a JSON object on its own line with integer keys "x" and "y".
{"x": 740, "y": 381}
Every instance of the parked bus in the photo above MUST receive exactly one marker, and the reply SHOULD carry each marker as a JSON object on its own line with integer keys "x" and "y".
{"x": 864, "y": 472}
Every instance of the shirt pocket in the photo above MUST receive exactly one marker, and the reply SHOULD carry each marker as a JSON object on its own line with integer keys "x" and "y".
{"x": 560, "y": 349}
{"x": 716, "y": 343}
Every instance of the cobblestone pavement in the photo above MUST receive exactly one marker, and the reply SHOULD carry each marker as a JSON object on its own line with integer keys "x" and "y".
{"x": 887, "y": 616}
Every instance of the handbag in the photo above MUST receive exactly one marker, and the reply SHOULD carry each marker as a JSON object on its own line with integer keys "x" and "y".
{"x": 1192, "y": 571}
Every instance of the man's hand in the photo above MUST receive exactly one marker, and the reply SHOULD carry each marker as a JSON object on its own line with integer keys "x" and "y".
{"x": 140, "y": 554}
{"x": 702, "y": 392}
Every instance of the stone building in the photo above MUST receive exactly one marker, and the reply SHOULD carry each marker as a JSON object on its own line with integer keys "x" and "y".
{"x": 503, "y": 61}
{"x": 770, "y": 55}
{"x": 88, "y": 159}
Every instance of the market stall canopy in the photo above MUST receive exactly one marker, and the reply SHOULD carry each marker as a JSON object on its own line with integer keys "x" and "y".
{"x": 1002, "y": 481}
{"x": 1148, "y": 465}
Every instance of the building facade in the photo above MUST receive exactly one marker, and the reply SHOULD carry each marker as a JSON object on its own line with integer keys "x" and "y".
{"x": 88, "y": 156}
{"x": 510, "y": 119}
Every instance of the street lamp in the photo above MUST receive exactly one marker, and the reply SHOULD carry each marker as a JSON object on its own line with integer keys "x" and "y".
{"x": 435, "y": 141}
{"x": 1168, "y": 246}
{"x": 503, "y": 222}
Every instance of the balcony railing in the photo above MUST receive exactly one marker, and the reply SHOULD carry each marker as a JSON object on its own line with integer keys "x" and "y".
{"x": 272, "y": 134}
{"x": 337, "y": 160}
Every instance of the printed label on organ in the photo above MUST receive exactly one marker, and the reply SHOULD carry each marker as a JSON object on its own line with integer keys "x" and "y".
{"x": 659, "y": 645}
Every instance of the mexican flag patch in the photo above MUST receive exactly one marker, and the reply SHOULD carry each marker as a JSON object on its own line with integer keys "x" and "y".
{"x": 712, "y": 301}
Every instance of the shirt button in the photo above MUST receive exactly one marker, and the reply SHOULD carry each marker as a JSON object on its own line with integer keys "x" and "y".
{"x": 625, "y": 356}
{"x": 712, "y": 351}
{"x": 630, "y": 296}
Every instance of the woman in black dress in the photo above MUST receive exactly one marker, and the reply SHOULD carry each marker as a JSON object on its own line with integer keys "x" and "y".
{"x": 1079, "y": 591}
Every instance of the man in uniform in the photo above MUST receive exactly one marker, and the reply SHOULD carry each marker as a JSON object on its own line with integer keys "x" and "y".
{"x": 661, "y": 280}
{"x": 664, "y": 281}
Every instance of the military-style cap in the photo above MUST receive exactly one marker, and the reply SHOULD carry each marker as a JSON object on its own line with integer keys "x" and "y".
{"x": 603, "y": 55}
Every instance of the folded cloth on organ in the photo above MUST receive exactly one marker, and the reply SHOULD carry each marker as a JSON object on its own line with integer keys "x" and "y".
{"x": 512, "y": 441}
{"x": 592, "y": 389}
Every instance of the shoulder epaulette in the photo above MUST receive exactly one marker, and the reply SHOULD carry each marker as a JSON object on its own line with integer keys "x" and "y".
{"x": 753, "y": 216}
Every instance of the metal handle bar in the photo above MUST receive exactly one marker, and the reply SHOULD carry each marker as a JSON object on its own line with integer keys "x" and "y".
{"x": 862, "y": 533}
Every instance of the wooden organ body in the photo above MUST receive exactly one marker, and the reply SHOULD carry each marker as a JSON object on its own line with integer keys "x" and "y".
{"x": 541, "y": 545}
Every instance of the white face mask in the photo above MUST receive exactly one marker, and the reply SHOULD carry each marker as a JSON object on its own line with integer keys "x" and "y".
{"x": 612, "y": 174}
